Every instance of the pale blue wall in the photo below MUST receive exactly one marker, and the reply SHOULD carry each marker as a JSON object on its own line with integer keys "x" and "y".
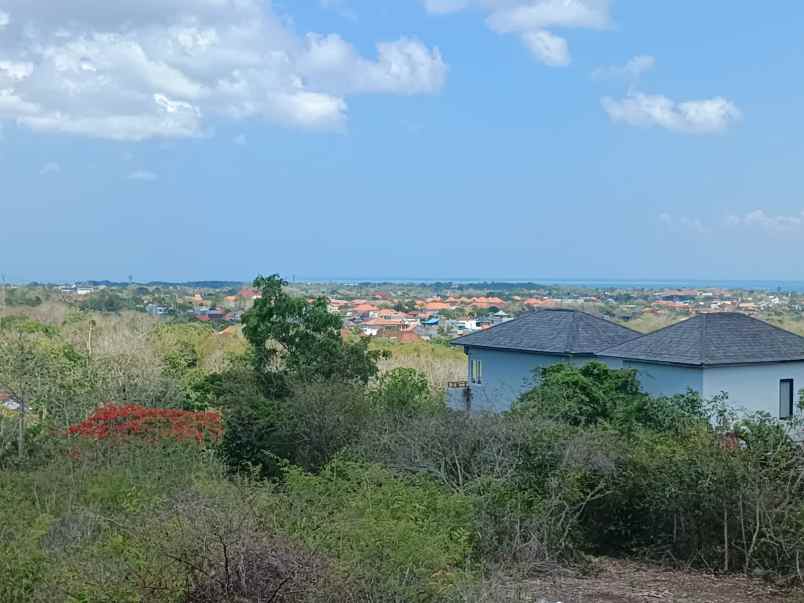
{"x": 507, "y": 375}
{"x": 666, "y": 379}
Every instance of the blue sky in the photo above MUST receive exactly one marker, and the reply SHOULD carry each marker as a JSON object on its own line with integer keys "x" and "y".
{"x": 189, "y": 139}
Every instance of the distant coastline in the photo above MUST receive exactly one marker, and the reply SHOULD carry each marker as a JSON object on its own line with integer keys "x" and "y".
{"x": 592, "y": 283}
{"x": 791, "y": 286}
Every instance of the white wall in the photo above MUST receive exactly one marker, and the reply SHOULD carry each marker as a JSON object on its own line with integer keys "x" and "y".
{"x": 754, "y": 387}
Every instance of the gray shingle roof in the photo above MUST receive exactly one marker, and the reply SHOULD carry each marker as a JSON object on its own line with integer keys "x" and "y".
{"x": 552, "y": 331}
{"x": 714, "y": 339}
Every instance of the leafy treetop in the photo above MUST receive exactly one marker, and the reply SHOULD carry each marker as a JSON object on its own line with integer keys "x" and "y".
{"x": 293, "y": 338}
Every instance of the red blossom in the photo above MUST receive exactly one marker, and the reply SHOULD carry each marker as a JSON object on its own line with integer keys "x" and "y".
{"x": 150, "y": 424}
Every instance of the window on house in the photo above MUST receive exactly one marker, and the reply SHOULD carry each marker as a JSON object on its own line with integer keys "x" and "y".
{"x": 477, "y": 371}
{"x": 785, "y": 398}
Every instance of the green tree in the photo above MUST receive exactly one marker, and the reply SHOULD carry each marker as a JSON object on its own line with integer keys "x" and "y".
{"x": 44, "y": 375}
{"x": 106, "y": 301}
{"x": 296, "y": 339}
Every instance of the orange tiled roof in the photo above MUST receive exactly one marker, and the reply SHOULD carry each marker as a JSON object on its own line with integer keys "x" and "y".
{"x": 363, "y": 308}
{"x": 436, "y": 305}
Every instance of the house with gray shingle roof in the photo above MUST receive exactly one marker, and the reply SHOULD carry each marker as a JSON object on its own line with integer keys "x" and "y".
{"x": 503, "y": 361}
{"x": 759, "y": 366}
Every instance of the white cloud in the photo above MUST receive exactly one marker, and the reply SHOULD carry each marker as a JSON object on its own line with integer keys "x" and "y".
{"x": 143, "y": 176}
{"x": 50, "y": 168}
{"x": 522, "y": 16}
{"x": 632, "y": 70}
{"x": 692, "y": 117}
{"x": 134, "y": 69}
{"x": 550, "y": 49}
{"x": 5, "y": 19}
{"x": 240, "y": 139}
{"x": 532, "y": 20}
{"x": 403, "y": 67}
{"x": 760, "y": 219}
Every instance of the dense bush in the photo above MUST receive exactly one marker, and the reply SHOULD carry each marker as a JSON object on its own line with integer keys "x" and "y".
{"x": 569, "y": 472}
{"x": 405, "y": 390}
{"x": 400, "y": 539}
{"x": 306, "y": 428}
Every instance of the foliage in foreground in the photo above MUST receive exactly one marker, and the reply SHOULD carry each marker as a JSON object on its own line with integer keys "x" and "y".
{"x": 330, "y": 482}
{"x": 128, "y": 521}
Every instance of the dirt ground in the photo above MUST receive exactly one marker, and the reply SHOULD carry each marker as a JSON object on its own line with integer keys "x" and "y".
{"x": 628, "y": 582}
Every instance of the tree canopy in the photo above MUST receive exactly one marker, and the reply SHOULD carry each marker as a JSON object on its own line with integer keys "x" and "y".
{"x": 293, "y": 338}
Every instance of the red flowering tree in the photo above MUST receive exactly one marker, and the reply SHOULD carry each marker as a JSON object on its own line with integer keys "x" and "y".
{"x": 131, "y": 421}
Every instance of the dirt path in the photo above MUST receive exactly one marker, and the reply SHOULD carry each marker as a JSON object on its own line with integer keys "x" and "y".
{"x": 627, "y": 582}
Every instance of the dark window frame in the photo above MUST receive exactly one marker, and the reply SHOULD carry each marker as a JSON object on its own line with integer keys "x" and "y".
{"x": 477, "y": 371}
{"x": 791, "y": 401}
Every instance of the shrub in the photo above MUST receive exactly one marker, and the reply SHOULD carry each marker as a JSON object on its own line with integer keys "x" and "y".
{"x": 405, "y": 390}
{"x": 307, "y": 428}
{"x": 402, "y": 539}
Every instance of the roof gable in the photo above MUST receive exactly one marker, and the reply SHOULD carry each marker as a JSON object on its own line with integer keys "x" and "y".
{"x": 714, "y": 339}
{"x": 555, "y": 331}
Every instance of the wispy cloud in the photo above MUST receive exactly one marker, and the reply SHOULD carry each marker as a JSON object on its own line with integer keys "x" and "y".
{"x": 143, "y": 176}
{"x": 758, "y": 218}
{"x": 50, "y": 167}
{"x": 708, "y": 116}
{"x": 534, "y": 21}
{"x": 550, "y": 49}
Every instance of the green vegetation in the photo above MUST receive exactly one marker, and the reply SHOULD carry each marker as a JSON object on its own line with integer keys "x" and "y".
{"x": 293, "y": 339}
{"x": 340, "y": 475}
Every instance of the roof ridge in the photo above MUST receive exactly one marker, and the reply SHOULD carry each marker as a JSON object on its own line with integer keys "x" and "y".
{"x": 643, "y": 335}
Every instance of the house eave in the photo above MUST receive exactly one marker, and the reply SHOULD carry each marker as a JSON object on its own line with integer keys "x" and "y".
{"x": 703, "y": 365}
{"x": 467, "y": 346}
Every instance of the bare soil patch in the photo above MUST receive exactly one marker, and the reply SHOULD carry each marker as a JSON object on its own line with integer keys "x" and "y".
{"x": 629, "y": 582}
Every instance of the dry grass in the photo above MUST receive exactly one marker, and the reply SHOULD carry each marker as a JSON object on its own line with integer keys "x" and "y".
{"x": 50, "y": 313}
{"x": 439, "y": 363}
